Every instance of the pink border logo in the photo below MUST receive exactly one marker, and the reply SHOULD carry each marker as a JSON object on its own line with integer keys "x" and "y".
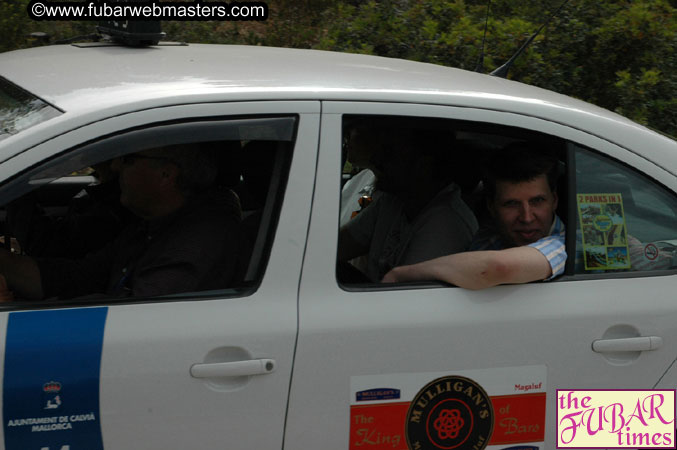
{"x": 623, "y": 418}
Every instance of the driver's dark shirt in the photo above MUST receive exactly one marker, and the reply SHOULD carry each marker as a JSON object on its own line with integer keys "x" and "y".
{"x": 95, "y": 217}
{"x": 196, "y": 248}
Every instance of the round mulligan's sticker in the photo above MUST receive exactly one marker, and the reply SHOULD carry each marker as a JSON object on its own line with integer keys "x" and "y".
{"x": 450, "y": 413}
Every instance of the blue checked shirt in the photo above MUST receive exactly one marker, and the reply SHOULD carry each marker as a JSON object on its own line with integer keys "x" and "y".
{"x": 551, "y": 246}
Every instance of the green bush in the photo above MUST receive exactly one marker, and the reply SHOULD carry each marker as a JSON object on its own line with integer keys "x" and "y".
{"x": 618, "y": 54}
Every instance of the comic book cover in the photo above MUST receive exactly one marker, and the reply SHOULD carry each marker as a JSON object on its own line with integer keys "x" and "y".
{"x": 605, "y": 241}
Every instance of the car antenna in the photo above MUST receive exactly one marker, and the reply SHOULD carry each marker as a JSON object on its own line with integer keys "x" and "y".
{"x": 480, "y": 63}
{"x": 503, "y": 70}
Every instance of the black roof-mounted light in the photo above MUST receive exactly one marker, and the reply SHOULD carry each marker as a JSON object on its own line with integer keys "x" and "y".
{"x": 135, "y": 33}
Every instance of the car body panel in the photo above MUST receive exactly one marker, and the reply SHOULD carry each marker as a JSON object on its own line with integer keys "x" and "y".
{"x": 148, "y": 398}
{"x": 386, "y": 333}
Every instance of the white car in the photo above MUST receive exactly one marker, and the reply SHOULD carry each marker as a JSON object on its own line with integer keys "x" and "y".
{"x": 293, "y": 356}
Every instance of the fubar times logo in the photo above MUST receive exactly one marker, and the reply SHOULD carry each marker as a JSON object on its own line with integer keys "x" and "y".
{"x": 616, "y": 418}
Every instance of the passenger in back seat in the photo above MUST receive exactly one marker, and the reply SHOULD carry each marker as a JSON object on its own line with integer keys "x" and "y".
{"x": 419, "y": 213}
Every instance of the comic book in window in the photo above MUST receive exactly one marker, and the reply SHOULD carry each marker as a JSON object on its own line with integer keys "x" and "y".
{"x": 604, "y": 232}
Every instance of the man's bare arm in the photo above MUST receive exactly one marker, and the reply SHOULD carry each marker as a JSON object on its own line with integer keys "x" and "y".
{"x": 22, "y": 275}
{"x": 478, "y": 270}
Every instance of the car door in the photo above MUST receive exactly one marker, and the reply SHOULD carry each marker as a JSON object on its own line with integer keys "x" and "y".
{"x": 197, "y": 370}
{"x": 370, "y": 356}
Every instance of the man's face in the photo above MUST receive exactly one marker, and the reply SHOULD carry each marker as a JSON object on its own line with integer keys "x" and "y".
{"x": 143, "y": 178}
{"x": 397, "y": 169}
{"x": 524, "y": 211}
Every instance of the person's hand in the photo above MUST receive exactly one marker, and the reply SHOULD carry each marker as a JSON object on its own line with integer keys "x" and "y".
{"x": 5, "y": 294}
{"x": 14, "y": 244}
{"x": 393, "y": 276}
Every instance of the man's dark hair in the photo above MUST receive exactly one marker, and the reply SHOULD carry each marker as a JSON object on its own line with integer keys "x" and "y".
{"x": 197, "y": 165}
{"x": 437, "y": 145}
{"x": 519, "y": 162}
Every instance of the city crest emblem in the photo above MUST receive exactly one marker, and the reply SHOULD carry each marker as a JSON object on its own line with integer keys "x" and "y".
{"x": 451, "y": 412}
{"x": 51, "y": 392}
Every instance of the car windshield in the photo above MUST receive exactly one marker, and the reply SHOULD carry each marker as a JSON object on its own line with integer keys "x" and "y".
{"x": 20, "y": 109}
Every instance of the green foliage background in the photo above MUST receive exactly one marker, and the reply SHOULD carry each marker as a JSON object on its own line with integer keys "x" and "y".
{"x": 618, "y": 54}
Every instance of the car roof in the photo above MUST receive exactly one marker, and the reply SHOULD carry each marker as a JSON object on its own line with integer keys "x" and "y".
{"x": 100, "y": 80}
{"x": 104, "y": 73}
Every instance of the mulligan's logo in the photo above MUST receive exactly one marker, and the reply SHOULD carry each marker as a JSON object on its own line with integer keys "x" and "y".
{"x": 450, "y": 413}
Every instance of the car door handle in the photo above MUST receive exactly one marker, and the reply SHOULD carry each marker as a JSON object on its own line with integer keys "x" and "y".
{"x": 233, "y": 369}
{"x": 634, "y": 344}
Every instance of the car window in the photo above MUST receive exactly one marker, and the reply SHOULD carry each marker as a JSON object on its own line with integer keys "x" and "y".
{"x": 396, "y": 170}
{"x": 20, "y": 109}
{"x": 411, "y": 189}
{"x": 119, "y": 237}
{"x": 625, "y": 221}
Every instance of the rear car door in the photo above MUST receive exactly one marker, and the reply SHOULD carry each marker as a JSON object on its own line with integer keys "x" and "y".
{"x": 373, "y": 357}
{"x": 195, "y": 370}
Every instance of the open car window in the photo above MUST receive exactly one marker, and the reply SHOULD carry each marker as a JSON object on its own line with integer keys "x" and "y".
{"x": 617, "y": 220}
{"x": 412, "y": 189}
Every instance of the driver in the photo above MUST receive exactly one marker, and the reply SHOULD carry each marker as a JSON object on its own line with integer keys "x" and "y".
{"x": 187, "y": 238}
{"x": 94, "y": 218}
